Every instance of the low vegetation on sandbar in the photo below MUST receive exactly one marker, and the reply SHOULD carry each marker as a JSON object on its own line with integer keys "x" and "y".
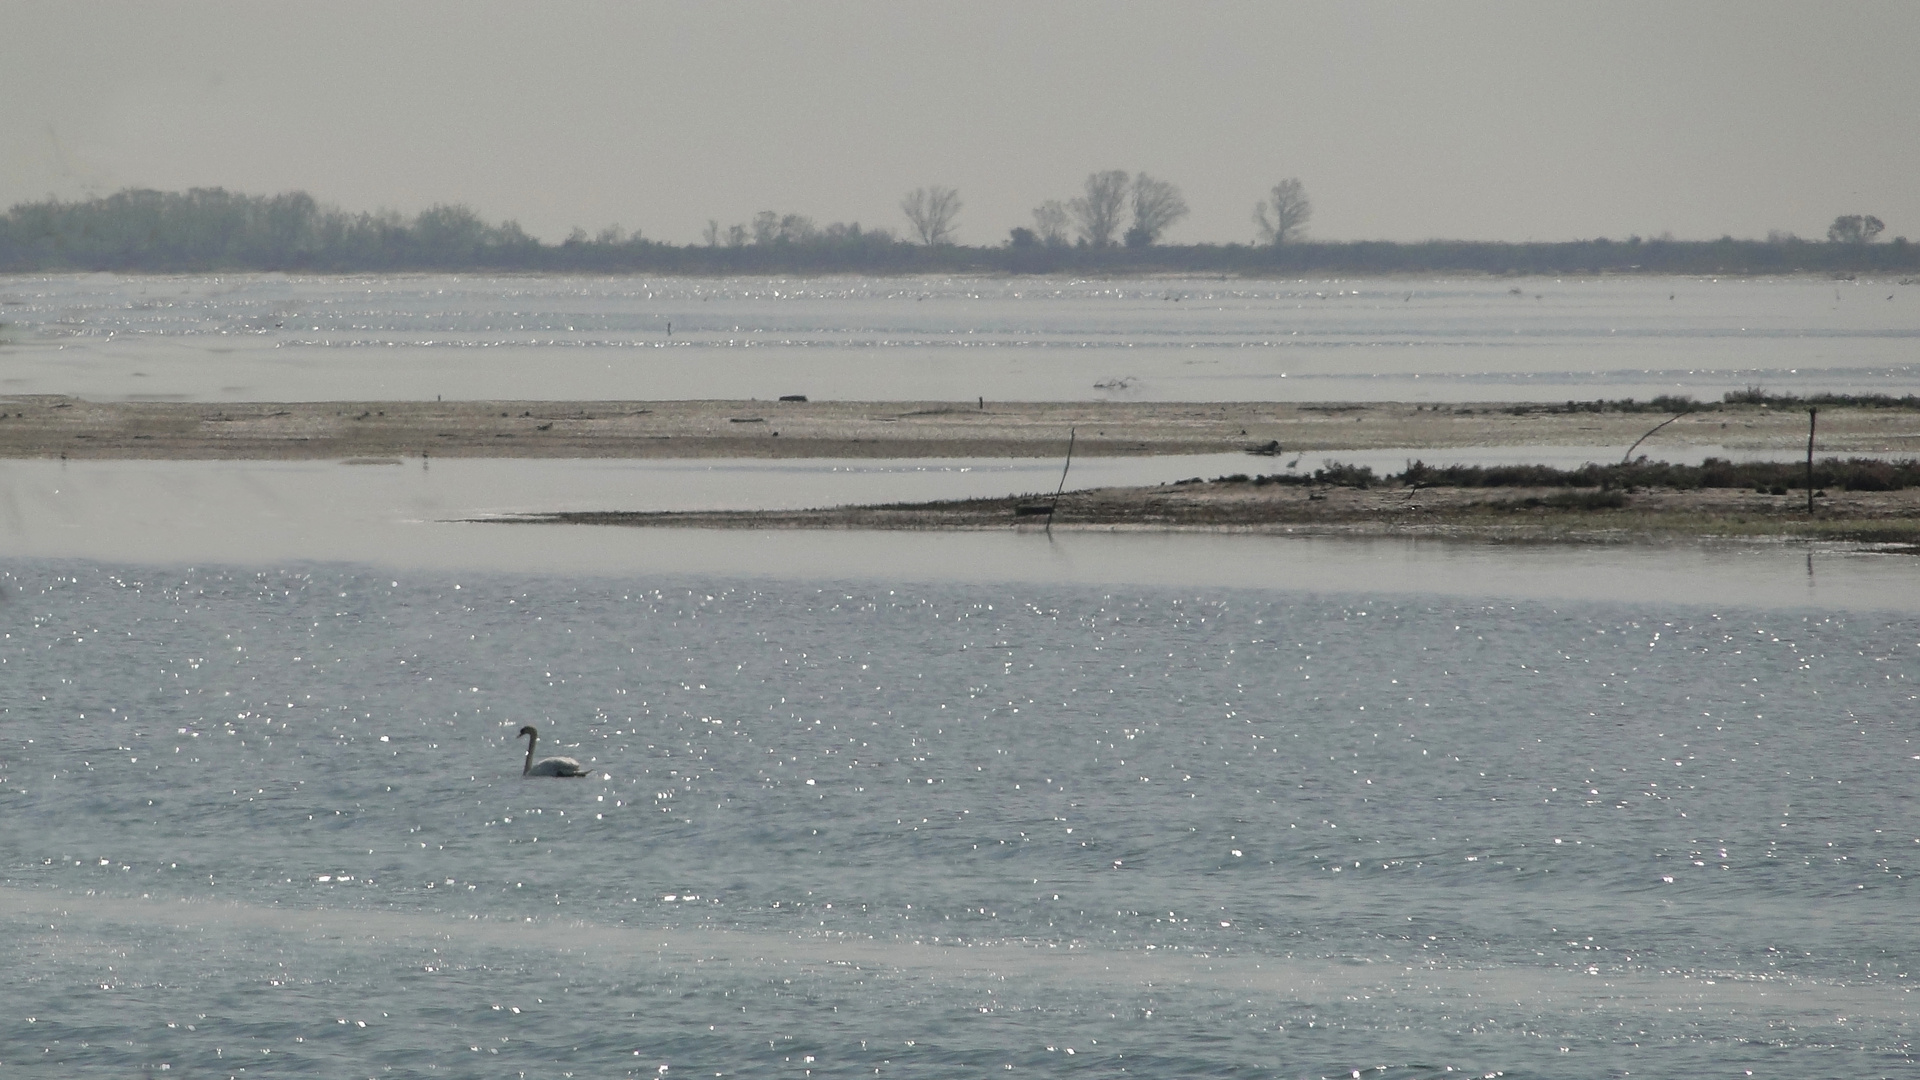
{"x": 1763, "y": 477}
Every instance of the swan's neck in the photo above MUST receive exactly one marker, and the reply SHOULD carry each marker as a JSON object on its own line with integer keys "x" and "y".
{"x": 524, "y": 769}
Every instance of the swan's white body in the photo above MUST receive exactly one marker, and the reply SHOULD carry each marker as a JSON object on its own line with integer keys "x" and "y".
{"x": 553, "y": 766}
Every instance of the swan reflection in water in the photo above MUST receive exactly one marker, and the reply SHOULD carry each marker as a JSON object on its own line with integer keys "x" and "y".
{"x": 553, "y": 766}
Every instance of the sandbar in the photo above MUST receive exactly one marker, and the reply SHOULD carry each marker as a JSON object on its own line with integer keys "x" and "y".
{"x": 45, "y": 426}
{"x": 1889, "y": 520}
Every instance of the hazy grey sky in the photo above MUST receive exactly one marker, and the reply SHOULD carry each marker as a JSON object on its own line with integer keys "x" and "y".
{"x": 1404, "y": 120}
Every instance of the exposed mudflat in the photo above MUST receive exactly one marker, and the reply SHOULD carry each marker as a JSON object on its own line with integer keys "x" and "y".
{"x": 52, "y": 426}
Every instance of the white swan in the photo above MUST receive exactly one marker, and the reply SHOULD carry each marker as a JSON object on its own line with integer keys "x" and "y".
{"x": 553, "y": 766}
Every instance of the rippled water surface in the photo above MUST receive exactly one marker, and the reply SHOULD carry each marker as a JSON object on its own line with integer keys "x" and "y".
{"x": 269, "y": 337}
{"x": 273, "y": 820}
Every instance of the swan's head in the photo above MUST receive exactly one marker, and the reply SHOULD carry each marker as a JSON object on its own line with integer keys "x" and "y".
{"x": 529, "y": 730}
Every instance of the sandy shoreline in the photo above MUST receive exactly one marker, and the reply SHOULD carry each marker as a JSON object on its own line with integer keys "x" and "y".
{"x": 51, "y": 426}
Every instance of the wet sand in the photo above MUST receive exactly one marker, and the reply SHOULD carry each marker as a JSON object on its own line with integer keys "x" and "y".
{"x": 52, "y": 426}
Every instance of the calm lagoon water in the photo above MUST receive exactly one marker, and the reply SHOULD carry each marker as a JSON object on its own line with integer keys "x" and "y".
{"x": 270, "y": 337}
{"x": 945, "y": 826}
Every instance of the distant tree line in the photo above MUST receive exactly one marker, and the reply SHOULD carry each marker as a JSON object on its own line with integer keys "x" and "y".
{"x": 213, "y": 229}
{"x": 1113, "y": 227}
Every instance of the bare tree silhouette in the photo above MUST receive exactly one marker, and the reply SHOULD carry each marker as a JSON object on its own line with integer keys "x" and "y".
{"x": 932, "y": 211}
{"x": 1097, "y": 213}
{"x": 1050, "y": 223}
{"x": 1156, "y": 205}
{"x": 1289, "y": 210}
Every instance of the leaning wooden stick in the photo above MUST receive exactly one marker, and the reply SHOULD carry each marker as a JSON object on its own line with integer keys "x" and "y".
{"x": 1068, "y": 465}
{"x": 1063, "y": 481}
{"x": 1649, "y": 435}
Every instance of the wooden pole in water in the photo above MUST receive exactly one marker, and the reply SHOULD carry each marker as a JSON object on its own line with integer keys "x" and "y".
{"x": 1812, "y": 416}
